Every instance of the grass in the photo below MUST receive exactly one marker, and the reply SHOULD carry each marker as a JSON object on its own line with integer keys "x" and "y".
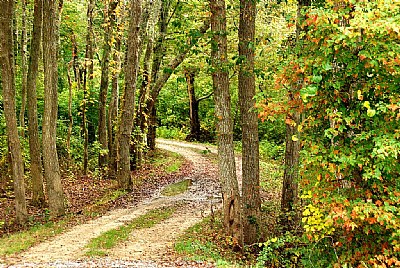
{"x": 107, "y": 240}
{"x": 176, "y": 188}
{"x": 170, "y": 162}
{"x": 205, "y": 242}
{"x": 23, "y": 240}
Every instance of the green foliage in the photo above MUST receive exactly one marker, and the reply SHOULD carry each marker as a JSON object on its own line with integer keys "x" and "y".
{"x": 284, "y": 251}
{"x": 271, "y": 150}
{"x": 349, "y": 69}
{"x": 171, "y": 133}
{"x": 98, "y": 246}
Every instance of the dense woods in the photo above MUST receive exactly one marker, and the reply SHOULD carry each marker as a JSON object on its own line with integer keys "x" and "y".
{"x": 312, "y": 86}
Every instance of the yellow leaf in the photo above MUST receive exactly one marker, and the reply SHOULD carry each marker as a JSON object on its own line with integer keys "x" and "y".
{"x": 294, "y": 138}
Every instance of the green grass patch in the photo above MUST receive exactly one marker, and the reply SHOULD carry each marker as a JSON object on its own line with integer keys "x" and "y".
{"x": 98, "y": 246}
{"x": 205, "y": 242}
{"x": 176, "y": 188}
{"x": 110, "y": 196}
{"x": 271, "y": 174}
{"x": 170, "y": 162}
{"x": 21, "y": 241}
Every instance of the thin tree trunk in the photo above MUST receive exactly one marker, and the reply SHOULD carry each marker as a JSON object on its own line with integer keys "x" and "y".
{"x": 33, "y": 129}
{"x": 109, "y": 20}
{"x": 227, "y": 170}
{"x": 24, "y": 68}
{"x": 15, "y": 34}
{"x": 143, "y": 96}
{"x": 113, "y": 108}
{"x": 87, "y": 82}
{"x": 128, "y": 105}
{"x": 50, "y": 158}
{"x": 251, "y": 201}
{"x": 193, "y": 105}
{"x": 160, "y": 82}
{"x": 69, "y": 115}
{"x": 289, "y": 219}
{"x": 8, "y": 85}
{"x": 158, "y": 55}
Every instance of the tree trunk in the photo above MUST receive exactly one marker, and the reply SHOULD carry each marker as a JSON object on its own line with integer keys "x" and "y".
{"x": 70, "y": 121}
{"x": 193, "y": 105}
{"x": 50, "y": 158}
{"x": 87, "y": 82}
{"x": 128, "y": 105}
{"x": 251, "y": 201}
{"x": 143, "y": 97}
{"x": 160, "y": 82}
{"x": 113, "y": 108}
{"x": 33, "y": 129}
{"x": 8, "y": 84}
{"x": 289, "y": 219}
{"x": 24, "y": 68}
{"x": 227, "y": 170}
{"x": 158, "y": 55}
{"x": 109, "y": 20}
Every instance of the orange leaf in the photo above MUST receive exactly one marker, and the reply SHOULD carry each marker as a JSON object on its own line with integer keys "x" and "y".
{"x": 371, "y": 220}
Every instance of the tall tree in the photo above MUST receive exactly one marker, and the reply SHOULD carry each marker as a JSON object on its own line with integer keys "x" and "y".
{"x": 24, "y": 41}
{"x": 113, "y": 107}
{"x": 289, "y": 201}
{"x": 128, "y": 105}
{"x": 87, "y": 81}
{"x": 33, "y": 129}
{"x": 251, "y": 201}
{"x": 158, "y": 55}
{"x": 8, "y": 79}
{"x": 50, "y": 158}
{"x": 227, "y": 170}
{"x": 109, "y": 22}
{"x": 158, "y": 84}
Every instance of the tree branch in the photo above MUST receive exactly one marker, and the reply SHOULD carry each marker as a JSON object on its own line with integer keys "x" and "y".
{"x": 205, "y": 97}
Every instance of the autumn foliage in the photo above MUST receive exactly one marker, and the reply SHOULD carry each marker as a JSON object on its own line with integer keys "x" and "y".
{"x": 348, "y": 77}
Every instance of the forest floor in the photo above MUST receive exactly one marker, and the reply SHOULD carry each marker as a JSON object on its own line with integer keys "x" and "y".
{"x": 149, "y": 247}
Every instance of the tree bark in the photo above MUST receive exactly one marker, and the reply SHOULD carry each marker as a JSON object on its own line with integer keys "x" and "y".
{"x": 33, "y": 129}
{"x": 50, "y": 158}
{"x": 251, "y": 201}
{"x": 289, "y": 219}
{"x": 87, "y": 82}
{"x": 113, "y": 108}
{"x": 227, "y": 170}
{"x": 158, "y": 55}
{"x": 128, "y": 105}
{"x": 109, "y": 21}
{"x": 193, "y": 105}
{"x": 8, "y": 84}
{"x": 24, "y": 40}
{"x": 143, "y": 97}
{"x": 70, "y": 118}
